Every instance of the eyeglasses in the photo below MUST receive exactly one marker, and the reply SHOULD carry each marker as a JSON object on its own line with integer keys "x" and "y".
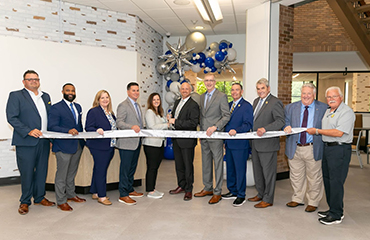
{"x": 332, "y": 97}
{"x": 209, "y": 80}
{"x": 32, "y": 79}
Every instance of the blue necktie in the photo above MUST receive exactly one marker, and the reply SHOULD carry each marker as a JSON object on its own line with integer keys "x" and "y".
{"x": 73, "y": 112}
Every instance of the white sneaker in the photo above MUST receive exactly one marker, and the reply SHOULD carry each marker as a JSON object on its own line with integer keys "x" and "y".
{"x": 161, "y": 193}
{"x": 154, "y": 194}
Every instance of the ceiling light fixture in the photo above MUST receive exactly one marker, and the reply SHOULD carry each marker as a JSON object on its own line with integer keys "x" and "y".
{"x": 296, "y": 75}
{"x": 181, "y": 2}
{"x": 209, "y": 9}
{"x": 199, "y": 27}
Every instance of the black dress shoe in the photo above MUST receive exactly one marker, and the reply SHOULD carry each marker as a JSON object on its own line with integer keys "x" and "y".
{"x": 329, "y": 220}
{"x": 188, "y": 196}
{"x": 238, "y": 202}
{"x": 228, "y": 195}
{"x": 177, "y": 190}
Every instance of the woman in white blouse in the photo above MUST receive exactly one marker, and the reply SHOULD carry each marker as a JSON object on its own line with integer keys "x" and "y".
{"x": 154, "y": 147}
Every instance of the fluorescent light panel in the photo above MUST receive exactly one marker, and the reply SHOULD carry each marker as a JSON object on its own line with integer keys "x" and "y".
{"x": 209, "y": 9}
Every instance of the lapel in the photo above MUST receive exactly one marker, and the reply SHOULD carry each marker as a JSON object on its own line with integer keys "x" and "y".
{"x": 265, "y": 104}
{"x": 315, "y": 116}
{"x": 134, "y": 110}
{"x": 296, "y": 111}
{"x": 237, "y": 107}
{"x": 212, "y": 99}
{"x": 183, "y": 107}
{"x": 67, "y": 108}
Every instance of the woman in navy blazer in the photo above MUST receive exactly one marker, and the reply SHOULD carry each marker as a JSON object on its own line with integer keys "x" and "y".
{"x": 99, "y": 119}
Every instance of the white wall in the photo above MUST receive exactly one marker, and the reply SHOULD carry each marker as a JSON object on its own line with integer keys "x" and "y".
{"x": 90, "y": 69}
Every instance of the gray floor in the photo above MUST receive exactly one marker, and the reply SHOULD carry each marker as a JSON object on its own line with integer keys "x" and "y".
{"x": 173, "y": 218}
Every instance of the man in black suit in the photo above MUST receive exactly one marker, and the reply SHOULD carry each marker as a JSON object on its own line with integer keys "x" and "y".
{"x": 186, "y": 117}
{"x": 26, "y": 112}
{"x": 268, "y": 116}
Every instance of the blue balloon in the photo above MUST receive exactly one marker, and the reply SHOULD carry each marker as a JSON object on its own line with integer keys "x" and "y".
{"x": 222, "y": 45}
{"x": 168, "y": 150}
{"x": 168, "y": 52}
{"x": 219, "y": 56}
{"x": 213, "y": 69}
{"x": 230, "y": 45}
{"x": 194, "y": 54}
{"x": 202, "y": 57}
{"x": 205, "y": 71}
{"x": 209, "y": 62}
{"x": 169, "y": 83}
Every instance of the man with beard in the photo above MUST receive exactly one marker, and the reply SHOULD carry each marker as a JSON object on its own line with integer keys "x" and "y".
{"x": 65, "y": 117}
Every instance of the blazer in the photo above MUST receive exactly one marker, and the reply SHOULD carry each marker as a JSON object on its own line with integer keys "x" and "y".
{"x": 271, "y": 117}
{"x": 126, "y": 118}
{"x": 95, "y": 119}
{"x": 241, "y": 121}
{"x": 188, "y": 119}
{"x": 60, "y": 119}
{"x": 23, "y": 116}
{"x": 216, "y": 112}
{"x": 293, "y": 119}
{"x": 154, "y": 121}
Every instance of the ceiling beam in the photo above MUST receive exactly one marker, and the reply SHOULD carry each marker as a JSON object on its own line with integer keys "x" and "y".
{"x": 352, "y": 24}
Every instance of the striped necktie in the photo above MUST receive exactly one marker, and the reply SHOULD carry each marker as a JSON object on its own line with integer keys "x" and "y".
{"x": 232, "y": 108}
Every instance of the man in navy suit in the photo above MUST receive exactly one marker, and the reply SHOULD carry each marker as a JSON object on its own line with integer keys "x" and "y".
{"x": 26, "y": 112}
{"x": 65, "y": 117}
{"x": 237, "y": 151}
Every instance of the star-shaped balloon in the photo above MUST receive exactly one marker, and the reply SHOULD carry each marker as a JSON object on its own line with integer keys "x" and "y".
{"x": 225, "y": 64}
{"x": 178, "y": 56}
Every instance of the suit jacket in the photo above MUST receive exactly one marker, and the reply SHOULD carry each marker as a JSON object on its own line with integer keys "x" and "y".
{"x": 188, "y": 119}
{"x": 95, "y": 119}
{"x": 157, "y": 122}
{"x": 23, "y": 116}
{"x": 126, "y": 118}
{"x": 216, "y": 112}
{"x": 241, "y": 121}
{"x": 60, "y": 119}
{"x": 293, "y": 119}
{"x": 271, "y": 117}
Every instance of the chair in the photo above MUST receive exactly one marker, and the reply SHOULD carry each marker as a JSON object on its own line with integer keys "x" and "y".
{"x": 359, "y": 124}
{"x": 356, "y": 148}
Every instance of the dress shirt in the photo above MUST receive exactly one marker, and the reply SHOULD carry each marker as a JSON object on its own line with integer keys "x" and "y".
{"x": 40, "y": 105}
{"x": 236, "y": 103}
{"x": 179, "y": 107}
{"x": 263, "y": 101}
{"x": 74, "y": 108}
{"x": 311, "y": 114}
{"x": 208, "y": 95}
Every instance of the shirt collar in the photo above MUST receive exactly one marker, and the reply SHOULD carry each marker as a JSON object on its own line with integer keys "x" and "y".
{"x": 211, "y": 93}
{"x": 132, "y": 101}
{"x": 237, "y": 101}
{"x": 33, "y": 94}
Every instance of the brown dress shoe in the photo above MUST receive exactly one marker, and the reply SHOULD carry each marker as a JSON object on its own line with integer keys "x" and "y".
{"x": 215, "y": 199}
{"x": 255, "y": 199}
{"x": 263, "y": 204}
{"x": 188, "y": 196}
{"x": 76, "y": 199}
{"x": 65, "y": 207}
{"x": 177, "y": 190}
{"x": 294, "y": 204}
{"x": 127, "y": 200}
{"x": 203, "y": 193}
{"x": 23, "y": 209}
{"x": 135, "y": 194}
{"x": 46, "y": 203}
{"x": 310, "y": 208}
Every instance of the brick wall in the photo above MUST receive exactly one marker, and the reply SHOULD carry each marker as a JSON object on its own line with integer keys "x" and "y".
{"x": 317, "y": 29}
{"x": 360, "y": 92}
{"x": 286, "y": 28}
{"x": 57, "y": 21}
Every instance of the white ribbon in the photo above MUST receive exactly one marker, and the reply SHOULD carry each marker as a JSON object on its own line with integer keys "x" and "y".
{"x": 168, "y": 133}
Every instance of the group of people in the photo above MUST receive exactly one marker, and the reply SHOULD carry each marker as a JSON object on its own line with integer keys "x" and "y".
{"x": 319, "y": 155}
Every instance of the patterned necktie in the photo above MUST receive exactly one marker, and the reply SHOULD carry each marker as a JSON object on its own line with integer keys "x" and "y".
{"x": 258, "y": 108}
{"x": 73, "y": 112}
{"x": 232, "y": 108}
{"x": 304, "y": 125}
{"x": 138, "y": 114}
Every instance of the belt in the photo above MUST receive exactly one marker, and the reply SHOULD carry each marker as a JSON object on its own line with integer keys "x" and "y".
{"x": 304, "y": 145}
{"x": 335, "y": 143}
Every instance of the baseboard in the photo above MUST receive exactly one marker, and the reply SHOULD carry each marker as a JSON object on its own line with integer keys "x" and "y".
{"x": 10, "y": 181}
{"x": 282, "y": 175}
{"x": 86, "y": 190}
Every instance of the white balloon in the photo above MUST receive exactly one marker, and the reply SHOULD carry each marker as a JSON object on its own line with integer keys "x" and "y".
{"x": 231, "y": 54}
{"x": 196, "y": 68}
{"x": 170, "y": 97}
{"x": 175, "y": 87}
{"x": 187, "y": 67}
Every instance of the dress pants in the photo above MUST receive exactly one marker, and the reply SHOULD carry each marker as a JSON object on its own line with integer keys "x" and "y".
{"x": 212, "y": 153}
{"x": 67, "y": 165}
{"x": 264, "y": 170}
{"x": 236, "y": 169}
{"x": 154, "y": 156}
{"x": 127, "y": 170}
{"x": 32, "y": 163}
{"x": 102, "y": 160}
{"x": 306, "y": 176}
{"x": 184, "y": 158}
{"x": 335, "y": 164}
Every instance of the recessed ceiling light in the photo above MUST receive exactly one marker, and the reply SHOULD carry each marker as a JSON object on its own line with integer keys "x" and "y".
{"x": 199, "y": 27}
{"x": 181, "y": 2}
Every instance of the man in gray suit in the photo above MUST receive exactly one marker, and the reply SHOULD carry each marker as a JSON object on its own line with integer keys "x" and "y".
{"x": 268, "y": 116}
{"x": 129, "y": 116}
{"x": 214, "y": 115}
{"x": 304, "y": 151}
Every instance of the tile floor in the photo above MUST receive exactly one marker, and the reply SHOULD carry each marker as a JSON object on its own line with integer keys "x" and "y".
{"x": 173, "y": 218}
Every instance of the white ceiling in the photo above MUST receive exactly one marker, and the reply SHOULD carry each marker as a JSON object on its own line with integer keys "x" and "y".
{"x": 167, "y": 17}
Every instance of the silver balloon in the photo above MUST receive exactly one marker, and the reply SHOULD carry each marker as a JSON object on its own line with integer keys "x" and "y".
{"x": 175, "y": 87}
{"x": 214, "y": 46}
{"x": 187, "y": 68}
{"x": 175, "y": 76}
{"x": 170, "y": 97}
{"x": 162, "y": 67}
{"x": 196, "y": 40}
{"x": 167, "y": 76}
{"x": 196, "y": 68}
{"x": 217, "y": 64}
